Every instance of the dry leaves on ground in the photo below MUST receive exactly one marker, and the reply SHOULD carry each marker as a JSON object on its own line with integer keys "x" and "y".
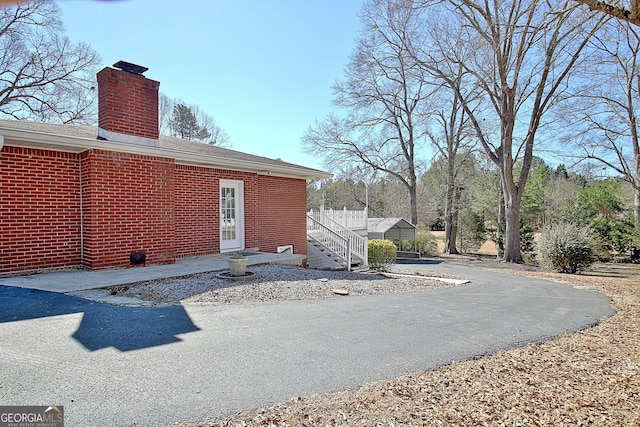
{"x": 589, "y": 378}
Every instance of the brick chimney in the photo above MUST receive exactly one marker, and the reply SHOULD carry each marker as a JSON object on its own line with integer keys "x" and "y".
{"x": 127, "y": 105}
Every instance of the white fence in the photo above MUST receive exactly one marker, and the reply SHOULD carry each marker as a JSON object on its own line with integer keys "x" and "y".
{"x": 353, "y": 220}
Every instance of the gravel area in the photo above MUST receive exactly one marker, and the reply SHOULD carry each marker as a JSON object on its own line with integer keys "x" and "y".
{"x": 275, "y": 283}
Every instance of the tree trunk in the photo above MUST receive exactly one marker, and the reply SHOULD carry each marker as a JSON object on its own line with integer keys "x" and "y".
{"x": 512, "y": 231}
{"x": 635, "y": 180}
{"x": 636, "y": 204}
{"x": 450, "y": 232}
{"x": 451, "y": 212}
{"x": 413, "y": 196}
{"x": 500, "y": 224}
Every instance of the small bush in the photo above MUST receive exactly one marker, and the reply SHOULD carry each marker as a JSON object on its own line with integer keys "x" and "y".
{"x": 527, "y": 244}
{"x": 426, "y": 244}
{"x": 471, "y": 231}
{"x": 382, "y": 253}
{"x": 613, "y": 236}
{"x": 407, "y": 245}
{"x": 566, "y": 248}
{"x": 527, "y": 238}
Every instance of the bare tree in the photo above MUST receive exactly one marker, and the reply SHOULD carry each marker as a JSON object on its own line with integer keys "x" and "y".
{"x": 519, "y": 54}
{"x": 214, "y": 134}
{"x": 608, "y": 106}
{"x": 43, "y": 76}
{"x": 381, "y": 124}
{"x": 629, "y": 12}
{"x": 451, "y": 133}
{"x": 217, "y": 135}
{"x": 165, "y": 108}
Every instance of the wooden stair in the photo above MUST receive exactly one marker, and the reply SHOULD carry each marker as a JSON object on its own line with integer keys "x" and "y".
{"x": 330, "y": 246}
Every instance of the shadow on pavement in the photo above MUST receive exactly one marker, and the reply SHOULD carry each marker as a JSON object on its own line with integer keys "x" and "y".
{"x": 418, "y": 261}
{"x": 103, "y": 325}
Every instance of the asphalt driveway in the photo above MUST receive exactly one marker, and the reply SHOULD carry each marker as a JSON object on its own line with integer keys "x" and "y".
{"x": 123, "y": 366}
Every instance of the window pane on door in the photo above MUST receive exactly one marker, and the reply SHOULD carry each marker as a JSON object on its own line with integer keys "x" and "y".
{"x": 228, "y": 201}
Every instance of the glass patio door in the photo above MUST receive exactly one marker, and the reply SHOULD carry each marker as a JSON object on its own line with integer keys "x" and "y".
{"x": 231, "y": 215}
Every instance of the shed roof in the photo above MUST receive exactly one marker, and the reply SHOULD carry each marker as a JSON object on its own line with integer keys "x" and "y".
{"x": 76, "y": 138}
{"x": 382, "y": 225}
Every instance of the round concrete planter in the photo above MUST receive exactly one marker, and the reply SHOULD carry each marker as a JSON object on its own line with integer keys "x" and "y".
{"x": 237, "y": 266}
{"x": 248, "y": 275}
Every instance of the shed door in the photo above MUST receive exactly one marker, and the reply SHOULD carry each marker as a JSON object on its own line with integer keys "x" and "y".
{"x": 231, "y": 215}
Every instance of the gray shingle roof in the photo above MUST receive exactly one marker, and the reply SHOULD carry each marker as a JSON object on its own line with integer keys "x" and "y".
{"x": 169, "y": 147}
{"x": 382, "y": 225}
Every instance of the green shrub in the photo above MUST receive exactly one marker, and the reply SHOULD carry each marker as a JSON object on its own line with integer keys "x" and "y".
{"x": 527, "y": 244}
{"x": 527, "y": 238}
{"x": 566, "y": 248}
{"x": 471, "y": 231}
{"x": 407, "y": 245}
{"x": 426, "y": 244}
{"x": 613, "y": 235}
{"x": 382, "y": 253}
{"x": 403, "y": 245}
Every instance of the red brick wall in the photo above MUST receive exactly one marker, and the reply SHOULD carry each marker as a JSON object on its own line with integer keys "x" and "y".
{"x": 281, "y": 209}
{"x": 198, "y": 208}
{"x": 39, "y": 210}
{"x": 128, "y": 103}
{"x": 274, "y": 211}
{"x": 196, "y": 197}
{"x": 252, "y": 228}
{"x": 128, "y": 204}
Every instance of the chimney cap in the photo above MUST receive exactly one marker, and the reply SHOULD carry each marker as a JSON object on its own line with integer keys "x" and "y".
{"x": 130, "y": 68}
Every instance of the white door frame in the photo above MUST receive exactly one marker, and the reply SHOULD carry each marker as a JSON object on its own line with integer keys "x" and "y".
{"x": 231, "y": 195}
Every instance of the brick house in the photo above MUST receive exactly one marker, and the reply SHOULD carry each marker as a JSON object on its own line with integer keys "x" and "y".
{"x": 87, "y": 197}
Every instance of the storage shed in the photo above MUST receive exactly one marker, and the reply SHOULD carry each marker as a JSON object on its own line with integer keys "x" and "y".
{"x": 395, "y": 229}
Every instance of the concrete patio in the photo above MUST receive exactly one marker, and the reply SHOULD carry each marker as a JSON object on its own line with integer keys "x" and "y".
{"x": 79, "y": 280}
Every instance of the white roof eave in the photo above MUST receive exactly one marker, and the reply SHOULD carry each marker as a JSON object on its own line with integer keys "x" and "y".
{"x": 74, "y": 144}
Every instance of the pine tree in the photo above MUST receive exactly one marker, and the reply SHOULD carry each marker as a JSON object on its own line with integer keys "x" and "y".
{"x": 184, "y": 124}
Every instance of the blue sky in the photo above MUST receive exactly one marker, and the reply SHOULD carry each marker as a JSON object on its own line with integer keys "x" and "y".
{"x": 263, "y": 69}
